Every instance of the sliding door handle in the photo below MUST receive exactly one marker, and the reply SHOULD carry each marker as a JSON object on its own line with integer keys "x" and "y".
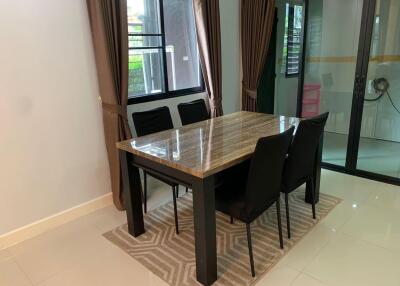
{"x": 362, "y": 88}
{"x": 356, "y": 86}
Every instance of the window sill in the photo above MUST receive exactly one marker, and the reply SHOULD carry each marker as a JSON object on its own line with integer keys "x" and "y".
{"x": 161, "y": 96}
{"x": 292, "y": 75}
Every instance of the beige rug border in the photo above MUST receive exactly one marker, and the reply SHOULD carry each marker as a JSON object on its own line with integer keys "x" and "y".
{"x": 259, "y": 275}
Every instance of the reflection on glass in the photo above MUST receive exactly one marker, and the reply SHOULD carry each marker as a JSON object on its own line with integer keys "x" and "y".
{"x": 288, "y": 47}
{"x": 182, "y": 53}
{"x": 201, "y": 145}
{"x": 143, "y": 17}
{"x": 177, "y": 154}
{"x": 136, "y": 41}
{"x": 150, "y": 149}
{"x": 331, "y": 51}
{"x": 379, "y": 148}
{"x": 282, "y": 126}
{"x": 145, "y": 54}
{"x": 146, "y": 71}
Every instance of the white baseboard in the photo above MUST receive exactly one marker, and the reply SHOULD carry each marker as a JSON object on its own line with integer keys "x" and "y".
{"x": 40, "y": 226}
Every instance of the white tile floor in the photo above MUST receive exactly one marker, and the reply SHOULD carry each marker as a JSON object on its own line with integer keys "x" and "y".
{"x": 357, "y": 244}
{"x": 375, "y": 155}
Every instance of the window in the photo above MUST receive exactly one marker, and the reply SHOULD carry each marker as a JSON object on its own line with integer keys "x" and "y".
{"x": 163, "y": 53}
{"x": 292, "y": 40}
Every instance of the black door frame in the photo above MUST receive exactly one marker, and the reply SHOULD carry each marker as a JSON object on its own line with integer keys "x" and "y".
{"x": 360, "y": 83}
{"x": 303, "y": 60}
{"x": 364, "y": 46}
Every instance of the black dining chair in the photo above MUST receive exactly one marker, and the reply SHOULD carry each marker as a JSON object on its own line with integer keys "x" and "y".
{"x": 192, "y": 112}
{"x": 148, "y": 122}
{"x": 257, "y": 186}
{"x": 299, "y": 165}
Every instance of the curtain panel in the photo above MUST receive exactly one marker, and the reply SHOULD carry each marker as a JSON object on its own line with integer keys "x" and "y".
{"x": 109, "y": 27}
{"x": 208, "y": 32}
{"x": 257, "y": 20}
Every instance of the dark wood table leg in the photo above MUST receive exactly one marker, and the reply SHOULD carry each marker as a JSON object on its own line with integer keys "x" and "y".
{"x": 317, "y": 174}
{"x": 132, "y": 194}
{"x": 205, "y": 230}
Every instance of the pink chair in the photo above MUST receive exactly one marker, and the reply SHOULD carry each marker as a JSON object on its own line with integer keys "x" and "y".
{"x": 311, "y": 100}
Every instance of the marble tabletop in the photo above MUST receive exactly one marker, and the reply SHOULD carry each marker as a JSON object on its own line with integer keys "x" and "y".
{"x": 208, "y": 147}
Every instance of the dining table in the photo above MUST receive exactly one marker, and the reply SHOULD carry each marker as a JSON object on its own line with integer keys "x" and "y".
{"x": 193, "y": 156}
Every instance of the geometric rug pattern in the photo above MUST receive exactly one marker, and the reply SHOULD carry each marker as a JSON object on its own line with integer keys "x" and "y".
{"x": 171, "y": 256}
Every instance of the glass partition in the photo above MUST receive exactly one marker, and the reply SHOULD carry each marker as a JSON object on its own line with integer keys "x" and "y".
{"x": 333, "y": 29}
{"x": 379, "y": 147}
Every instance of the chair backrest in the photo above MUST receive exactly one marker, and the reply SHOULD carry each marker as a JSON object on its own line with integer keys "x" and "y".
{"x": 265, "y": 172}
{"x": 192, "y": 112}
{"x": 299, "y": 165}
{"x": 152, "y": 121}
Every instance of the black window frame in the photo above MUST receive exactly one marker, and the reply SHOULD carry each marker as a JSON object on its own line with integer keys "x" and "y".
{"x": 167, "y": 93}
{"x": 290, "y": 42}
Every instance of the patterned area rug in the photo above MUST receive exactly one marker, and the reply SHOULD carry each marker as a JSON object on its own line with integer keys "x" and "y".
{"x": 171, "y": 256}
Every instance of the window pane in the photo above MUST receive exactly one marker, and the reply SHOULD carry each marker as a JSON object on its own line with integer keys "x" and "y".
{"x": 145, "y": 72}
{"x": 181, "y": 45}
{"x": 143, "y": 16}
{"x": 144, "y": 41}
{"x": 294, "y": 39}
{"x": 285, "y": 39}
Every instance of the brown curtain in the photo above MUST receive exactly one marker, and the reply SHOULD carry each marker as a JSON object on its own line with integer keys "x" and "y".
{"x": 108, "y": 22}
{"x": 257, "y": 23}
{"x": 209, "y": 40}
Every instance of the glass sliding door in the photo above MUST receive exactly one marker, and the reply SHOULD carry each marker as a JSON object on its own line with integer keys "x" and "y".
{"x": 351, "y": 69}
{"x": 288, "y": 55}
{"x": 331, "y": 50}
{"x": 379, "y": 145}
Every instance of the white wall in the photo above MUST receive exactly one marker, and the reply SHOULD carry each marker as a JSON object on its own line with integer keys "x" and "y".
{"x": 231, "y": 55}
{"x": 52, "y": 148}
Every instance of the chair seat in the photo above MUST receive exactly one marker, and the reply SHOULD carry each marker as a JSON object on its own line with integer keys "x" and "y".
{"x": 230, "y": 194}
{"x": 230, "y": 198}
{"x": 288, "y": 188}
{"x": 162, "y": 179}
{"x": 230, "y": 203}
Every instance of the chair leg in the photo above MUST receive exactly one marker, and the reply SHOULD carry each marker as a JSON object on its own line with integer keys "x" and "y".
{"x": 177, "y": 191}
{"x": 145, "y": 191}
{"x": 278, "y": 213}
{"x": 287, "y": 214}
{"x": 253, "y": 273}
{"x": 175, "y": 210}
{"x": 231, "y": 219}
{"x": 312, "y": 197}
{"x": 187, "y": 189}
